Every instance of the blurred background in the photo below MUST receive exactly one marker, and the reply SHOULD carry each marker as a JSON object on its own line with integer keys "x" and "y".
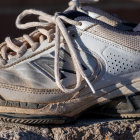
{"x": 9, "y": 9}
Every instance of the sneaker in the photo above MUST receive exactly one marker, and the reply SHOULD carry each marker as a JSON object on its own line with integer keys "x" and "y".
{"x": 103, "y": 16}
{"x": 71, "y": 62}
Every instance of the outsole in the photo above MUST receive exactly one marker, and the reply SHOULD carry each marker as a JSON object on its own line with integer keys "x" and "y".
{"x": 59, "y": 120}
{"x": 121, "y": 116}
{"x": 127, "y": 107}
{"x": 111, "y": 92}
{"x": 35, "y": 120}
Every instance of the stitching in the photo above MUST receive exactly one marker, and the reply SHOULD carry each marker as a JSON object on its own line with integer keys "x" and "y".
{"x": 70, "y": 101}
{"x": 95, "y": 21}
{"x": 30, "y": 90}
{"x": 109, "y": 43}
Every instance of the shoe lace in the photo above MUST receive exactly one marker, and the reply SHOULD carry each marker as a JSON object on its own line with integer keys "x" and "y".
{"x": 49, "y": 22}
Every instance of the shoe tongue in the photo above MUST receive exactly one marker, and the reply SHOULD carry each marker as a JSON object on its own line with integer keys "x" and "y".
{"x": 72, "y": 14}
{"x": 137, "y": 28}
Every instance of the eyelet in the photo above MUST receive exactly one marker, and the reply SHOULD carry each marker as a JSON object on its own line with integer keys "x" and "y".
{"x": 80, "y": 23}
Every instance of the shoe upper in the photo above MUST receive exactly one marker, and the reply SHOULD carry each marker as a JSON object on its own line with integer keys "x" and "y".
{"x": 107, "y": 56}
{"x": 112, "y": 20}
{"x": 103, "y": 16}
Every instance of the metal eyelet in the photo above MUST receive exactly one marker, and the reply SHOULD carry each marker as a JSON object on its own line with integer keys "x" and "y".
{"x": 80, "y": 23}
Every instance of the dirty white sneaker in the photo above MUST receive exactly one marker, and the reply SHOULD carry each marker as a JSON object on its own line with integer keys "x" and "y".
{"x": 71, "y": 62}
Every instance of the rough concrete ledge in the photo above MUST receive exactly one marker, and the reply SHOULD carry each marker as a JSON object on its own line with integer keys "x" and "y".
{"x": 84, "y": 129}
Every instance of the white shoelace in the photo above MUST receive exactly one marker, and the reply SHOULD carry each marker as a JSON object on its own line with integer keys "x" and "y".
{"x": 49, "y": 22}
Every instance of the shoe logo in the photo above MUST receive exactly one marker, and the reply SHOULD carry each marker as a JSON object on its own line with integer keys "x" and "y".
{"x": 46, "y": 65}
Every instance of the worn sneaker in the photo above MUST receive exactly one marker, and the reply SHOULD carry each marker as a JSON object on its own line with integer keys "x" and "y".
{"x": 71, "y": 62}
{"x": 103, "y": 16}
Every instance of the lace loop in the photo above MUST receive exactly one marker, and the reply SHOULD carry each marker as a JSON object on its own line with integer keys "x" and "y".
{"x": 60, "y": 27}
{"x": 33, "y": 24}
{"x": 11, "y": 45}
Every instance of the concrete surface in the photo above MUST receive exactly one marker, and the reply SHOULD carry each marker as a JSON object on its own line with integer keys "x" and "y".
{"x": 84, "y": 129}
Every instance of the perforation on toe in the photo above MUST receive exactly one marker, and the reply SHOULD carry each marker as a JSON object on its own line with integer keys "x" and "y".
{"x": 118, "y": 64}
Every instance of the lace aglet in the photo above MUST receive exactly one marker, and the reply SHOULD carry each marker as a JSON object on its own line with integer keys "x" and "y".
{"x": 89, "y": 84}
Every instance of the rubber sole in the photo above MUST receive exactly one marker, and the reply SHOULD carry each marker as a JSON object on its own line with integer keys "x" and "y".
{"x": 34, "y": 120}
{"x": 59, "y": 120}
{"x": 117, "y": 115}
{"x": 115, "y": 108}
{"x": 123, "y": 116}
{"x": 120, "y": 107}
{"x": 75, "y": 107}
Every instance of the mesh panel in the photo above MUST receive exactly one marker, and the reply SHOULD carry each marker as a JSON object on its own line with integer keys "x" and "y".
{"x": 102, "y": 13}
{"x": 131, "y": 41}
{"x": 108, "y": 21}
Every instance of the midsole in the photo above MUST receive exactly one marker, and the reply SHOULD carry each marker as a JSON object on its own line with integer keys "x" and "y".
{"x": 75, "y": 106}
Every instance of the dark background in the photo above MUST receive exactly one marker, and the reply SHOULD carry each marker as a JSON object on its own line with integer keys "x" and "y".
{"x": 9, "y": 9}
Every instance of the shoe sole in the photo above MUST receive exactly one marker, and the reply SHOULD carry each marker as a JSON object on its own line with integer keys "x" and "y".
{"x": 12, "y": 118}
{"x": 121, "y": 107}
{"x": 111, "y": 93}
{"x": 123, "y": 116}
